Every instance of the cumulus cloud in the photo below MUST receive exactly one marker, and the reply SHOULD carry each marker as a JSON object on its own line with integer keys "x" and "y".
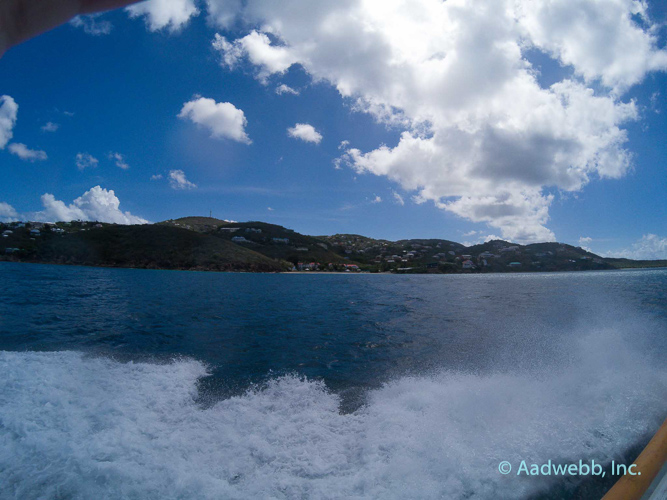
{"x": 599, "y": 40}
{"x": 156, "y": 177}
{"x": 482, "y": 137}
{"x": 377, "y": 199}
{"x": 649, "y": 247}
{"x": 8, "y": 112}
{"x": 50, "y": 127}
{"x": 92, "y": 25}
{"x": 25, "y": 153}
{"x": 119, "y": 160}
{"x": 85, "y": 160}
{"x": 96, "y": 204}
{"x": 177, "y": 180}
{"x": 164, "y": 14}
{"x": 286, "y": 89}
{"x": 257, "y": 48}
{"x": 305, "y": 132}
{"x": 222, "y": 119}
{"x": 7, "y": 212}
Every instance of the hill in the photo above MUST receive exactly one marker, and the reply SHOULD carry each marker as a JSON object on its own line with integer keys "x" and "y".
{"x": 445, "y": 256}
{"x": 270, "y": 240}
{"x": 635, "y": 264}
{"x": 198, "y": 224}
{"x": 383, "y": 255}
{"x": 205, "y": 243}
{"x": 146, "y": 246}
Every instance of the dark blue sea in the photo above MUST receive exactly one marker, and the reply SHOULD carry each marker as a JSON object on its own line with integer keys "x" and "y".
{"x": 139, "y": 384}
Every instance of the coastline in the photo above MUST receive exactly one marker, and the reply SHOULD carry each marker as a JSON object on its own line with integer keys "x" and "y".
{"x": 338, "y": 273}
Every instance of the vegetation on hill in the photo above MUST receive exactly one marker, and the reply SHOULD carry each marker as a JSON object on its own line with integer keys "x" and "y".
{"x": 271, "y": 240}
{"x": 444, "y": 256}
{"x": 635, "y": 264}
{"x": 198, "y": 224}
{"x": 147, "y": 246}
{"x": 205, "y": 243}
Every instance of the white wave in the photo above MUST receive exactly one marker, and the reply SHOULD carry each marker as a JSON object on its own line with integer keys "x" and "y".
{"x": 73, "y": 426}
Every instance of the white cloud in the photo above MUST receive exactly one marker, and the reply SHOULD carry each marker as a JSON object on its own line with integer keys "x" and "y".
{"x": 119, "y": 159}
{"x": 649, "y": 247}
{"x": 399, "y": 199}
{"x": 257, "y": 48}
{"x": 222, "y": 13}
{"x": 50, "y": 127}
{"x": 85, "y": 160}
{"x": 490, "y": 237}
{"x": 599, "y": 40}
{"x": 286, "y": 89}
{"x": 377, "y": 199}
{"x": 584, "y": 241}
{"x": 91, "y": 25}
{"x": 222, "y": 119}
{"x": 338, "y": 162}
{"x": 470, "y": 233}
{"x": 8, "y": 112}
{"x": 175, "y": 14}
{"x": 7, "y": 212}
{"x": 305, "y": 132}
{"x": 95, "y": 204}
{"x": 161, "y": 14}
{"x": 23, "y": 152}
{"x": 482, "y": 138}
{"x": 177, "y": 180}
{"x": 269, "y": 209}
{"x": 156, "y": 177}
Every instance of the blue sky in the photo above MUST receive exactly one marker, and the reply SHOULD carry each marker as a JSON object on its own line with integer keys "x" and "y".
{"x": 454, "y": 130}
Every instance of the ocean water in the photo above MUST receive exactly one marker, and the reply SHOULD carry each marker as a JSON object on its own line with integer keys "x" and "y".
{"x": 120, "y": 383}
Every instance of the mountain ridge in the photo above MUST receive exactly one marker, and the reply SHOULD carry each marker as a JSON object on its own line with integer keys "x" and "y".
{"x": 206, "y": 243}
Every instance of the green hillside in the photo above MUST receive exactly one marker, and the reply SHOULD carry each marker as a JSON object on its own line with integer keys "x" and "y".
{"x": 445, "y": 256}
{"x": 205, "y": 243}
{"x": 271, "y": 240}
{"x": 635, "y": 264}
{"x": 198, "y": 224}
{"x": 146, "y": 246}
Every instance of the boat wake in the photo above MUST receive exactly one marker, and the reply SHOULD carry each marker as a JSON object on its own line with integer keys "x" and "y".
{"x": 75, "y": 426}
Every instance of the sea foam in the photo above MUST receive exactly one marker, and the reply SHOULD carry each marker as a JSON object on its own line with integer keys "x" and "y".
{"x": 75, "y": 426}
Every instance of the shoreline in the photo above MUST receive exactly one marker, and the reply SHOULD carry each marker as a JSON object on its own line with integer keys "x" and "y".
{"x": 384, "y": 273}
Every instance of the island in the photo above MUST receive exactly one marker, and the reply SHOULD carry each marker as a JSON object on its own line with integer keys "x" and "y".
{"x": 209, "y": 244}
